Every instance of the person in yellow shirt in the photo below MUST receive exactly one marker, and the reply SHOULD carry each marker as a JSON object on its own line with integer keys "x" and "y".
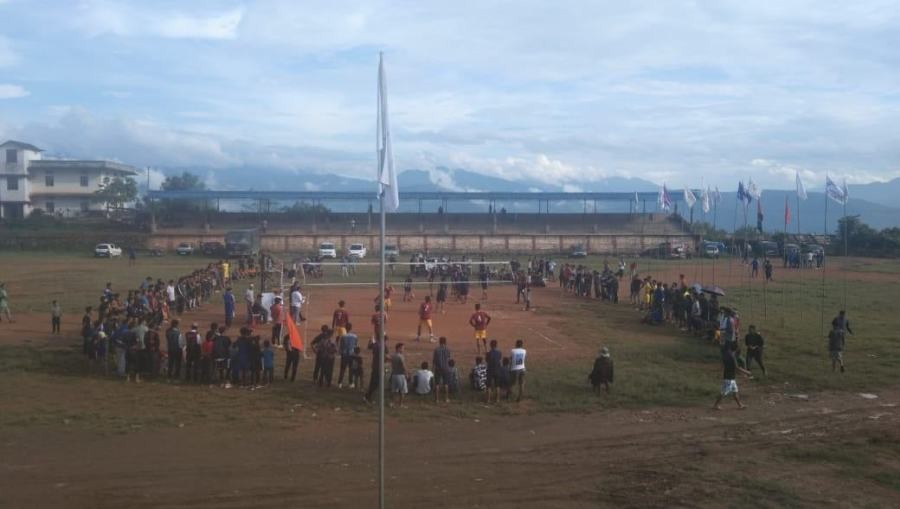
{"x": 226, "y": 271}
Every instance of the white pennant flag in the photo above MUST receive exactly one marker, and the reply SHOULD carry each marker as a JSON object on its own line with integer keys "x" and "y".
{"x": 387, "y": 177}
{"x": 689, "y": 197}
{"x": 801, "y": 190}
{"x": 834, "y": 192}
{"x": 704, "y": 200}
{"x": 753, "y": 190}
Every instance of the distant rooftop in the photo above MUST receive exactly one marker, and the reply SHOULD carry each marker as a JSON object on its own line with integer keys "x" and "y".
{"x": 68, "y": 164}
{"x": 21, "y": 145}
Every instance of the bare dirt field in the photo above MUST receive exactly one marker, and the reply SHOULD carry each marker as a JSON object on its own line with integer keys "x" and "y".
{"x": 71, "y": 438}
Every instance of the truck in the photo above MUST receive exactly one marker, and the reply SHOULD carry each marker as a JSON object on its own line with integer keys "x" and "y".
{"x": 242, "y": 242}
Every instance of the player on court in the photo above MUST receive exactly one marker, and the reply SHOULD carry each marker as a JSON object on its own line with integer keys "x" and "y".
{"x": 425, "y": 319}
{"x": 480, "y": 321}
{"x": 339, "y": 320}
{"x": 388, "y": 290}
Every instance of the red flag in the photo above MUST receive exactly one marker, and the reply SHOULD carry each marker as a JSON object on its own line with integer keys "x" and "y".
{"x": 787, "y": 212}
{"x": 294, "y": 333}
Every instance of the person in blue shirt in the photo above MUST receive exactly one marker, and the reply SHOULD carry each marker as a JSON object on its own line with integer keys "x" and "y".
{"x": 268, "y": 361}
{"x": 228, "y": 298}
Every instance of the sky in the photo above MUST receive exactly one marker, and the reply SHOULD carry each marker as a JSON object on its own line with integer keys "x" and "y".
{"x": 687, "y": 93}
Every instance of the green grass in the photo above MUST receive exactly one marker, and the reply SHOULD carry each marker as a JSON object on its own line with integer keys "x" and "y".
{"x": 654, "y": 365}
{"x": 873, "y": 459}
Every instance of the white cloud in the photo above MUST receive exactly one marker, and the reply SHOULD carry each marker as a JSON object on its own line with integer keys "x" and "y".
{"x": 100, "y": 17}
{"x": 8, "y": 91}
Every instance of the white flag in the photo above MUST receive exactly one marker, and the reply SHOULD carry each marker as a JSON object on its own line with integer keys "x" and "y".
{"x": 753, "y": 190}
{"x": 704, "y": 200}
{"x": 636, "y": 198}
{"x": 801, "y": 191}
{"x": 387, "y": 177}
{"x": 834, "y": 192}
{"x": 689, "y": 197}
{"x": 846, "y": 191}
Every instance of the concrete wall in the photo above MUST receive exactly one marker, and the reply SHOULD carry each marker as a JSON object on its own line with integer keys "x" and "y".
{"x": 445, "y": 243}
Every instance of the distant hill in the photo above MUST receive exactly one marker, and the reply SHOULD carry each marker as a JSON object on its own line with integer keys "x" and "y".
{"x": 876, "y": 203}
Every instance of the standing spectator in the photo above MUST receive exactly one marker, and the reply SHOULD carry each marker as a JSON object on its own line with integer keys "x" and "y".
{"x": 356, "y": 369}
{"x": 398, "y": 375}
{"x": 348, "y": 344}
{"x": 517, "y": 369}
{"x": 292, "y": 359}
{"x": 325, "y": 358}
{"x": 316, "y": 345}
{"x": 494, "y": 365}
{"x": 87, "y": 330}
{"x": 836, "y": 340}
{"x": 228, "y": 299}
{"x": 174, "y": 344}
{"x": 440, "y": 360}
{"x": 768, "y": 268}
{"x": 729, "y": 384}
{"x": 478, "y": 376}
{"x": 452, "y": 378}
{"x": 377, "y": 375}
{"x": 276, "y": 311}
{"x": 192, "y": 350}
{"x": 248, "y": 302}
{"x": 296, "y": 304}
{"x": 4, "y": 303}
{"x": 602, "y": 374}
{"x": 754, "y": 267}
{"x": 755, "y": 344}
{"x": 55, "y": 316}
{"x": 222, "y": 353}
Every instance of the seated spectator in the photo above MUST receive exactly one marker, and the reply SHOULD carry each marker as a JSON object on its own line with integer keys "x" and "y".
{"x": 423, "y": 380}
{"x": 602, "y": 374}
{"x": 453, "y": 378}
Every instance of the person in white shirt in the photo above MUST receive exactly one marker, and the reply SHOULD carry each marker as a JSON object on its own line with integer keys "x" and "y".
{"x": 423, "y": 381}
{"x": 517, "y": 367}
{"x": 296, "y": 304}
{"x": 248, "y": 300}
{"x": 170, "y": 293}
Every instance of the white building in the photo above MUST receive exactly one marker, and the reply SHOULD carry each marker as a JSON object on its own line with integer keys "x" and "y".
{"x": 57, "y": 186}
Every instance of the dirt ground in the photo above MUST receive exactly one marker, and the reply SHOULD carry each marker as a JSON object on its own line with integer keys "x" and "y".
{"x": 71, "y": 439}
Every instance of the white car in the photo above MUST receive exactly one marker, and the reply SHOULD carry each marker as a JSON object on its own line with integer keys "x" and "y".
{"x": 357, "y": 251}
{"x": 107, "y": 250}
{"x": 184, "y": 249}
{"x": 327, "y": 250}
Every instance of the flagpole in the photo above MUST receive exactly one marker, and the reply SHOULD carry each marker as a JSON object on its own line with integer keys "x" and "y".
{"x": 846, "y": 261}
{"x": 381, "y": 357}
{"x": 784, "y": 253}
{"x": 800, "y": 254}
{"x": 824, "y": 237}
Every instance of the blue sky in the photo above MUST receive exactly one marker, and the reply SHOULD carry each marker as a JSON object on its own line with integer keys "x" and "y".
{"x": 563, "y": 92}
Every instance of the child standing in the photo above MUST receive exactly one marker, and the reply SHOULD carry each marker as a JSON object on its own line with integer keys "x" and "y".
{"x": 408, "y": 294}
{"x": 268, "y": 358}
{"x": 55, "y": 316}
{"x": 356, "y": 369}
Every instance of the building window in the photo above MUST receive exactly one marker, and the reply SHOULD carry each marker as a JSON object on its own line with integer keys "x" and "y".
{"x": 84, "y": 181}
{"x": 85, "y": 205}
{"x": 48, "y": 179}
{"x": 12, "y": 155}
{"x": 12, "y": 183}
{"x": 50, "y": 208}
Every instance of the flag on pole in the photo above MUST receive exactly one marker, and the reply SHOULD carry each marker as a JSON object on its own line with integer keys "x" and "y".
{"x": 689, "y": 197}
{"x": 846, "y": 192}
{"x": 636, "y": 201}
{"x": 387, "y": 177}
{"x": 294, "y": 333}
{"x": 759, "y": 216}
{"x": 801, "y": 191}
{"x": 704, "y": 200}
{"x": 742, "y": 195}
{"x": 787, "y": 212}
{"x": 833, "y": 191}
{"x": 753, "y": 190}
{"x": 665, "y": 203}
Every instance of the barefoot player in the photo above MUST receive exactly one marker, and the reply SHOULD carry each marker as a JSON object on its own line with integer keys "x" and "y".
{"x": 339, "y": 320}
{"x": 425, "y": 319}
{"x": 480, "y": 321}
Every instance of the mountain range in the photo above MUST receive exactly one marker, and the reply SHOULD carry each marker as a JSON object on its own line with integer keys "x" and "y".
{"x": 875, "y": 203}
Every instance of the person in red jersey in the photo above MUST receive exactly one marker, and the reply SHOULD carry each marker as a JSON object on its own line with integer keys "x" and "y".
{"x": 425, "y": 310}
{"x": 339, "y": 320}
{"x": 479, "y": 321}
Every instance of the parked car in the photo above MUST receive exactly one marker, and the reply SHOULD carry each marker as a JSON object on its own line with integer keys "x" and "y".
{"x": 578, "y": 251}
{"x": 107, "y": 250}
{"x": 357, "y": 251}
{"x": 212, "y": 248}
{"x": 711, "y": 251}
{"x": 391, "y": 250}
{"x": 327, "y": 250}
{"x": 184, "y": 249}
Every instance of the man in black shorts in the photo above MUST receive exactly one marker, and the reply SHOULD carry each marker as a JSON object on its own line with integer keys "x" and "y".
{"x": 494, "y": 361}
{"x": 440, "y": 361}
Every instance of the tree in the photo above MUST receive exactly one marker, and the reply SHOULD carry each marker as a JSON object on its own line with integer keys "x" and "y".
{"x": 117, "y": 192}
{"x": 187, "y": 181}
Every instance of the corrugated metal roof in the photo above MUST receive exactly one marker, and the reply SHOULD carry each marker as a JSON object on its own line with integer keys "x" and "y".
{"x": 21, "y": 145}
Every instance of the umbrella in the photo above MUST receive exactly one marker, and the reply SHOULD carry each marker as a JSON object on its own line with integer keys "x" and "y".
{"x": 697, "y": 288}
{"x": 716, "y": 290}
